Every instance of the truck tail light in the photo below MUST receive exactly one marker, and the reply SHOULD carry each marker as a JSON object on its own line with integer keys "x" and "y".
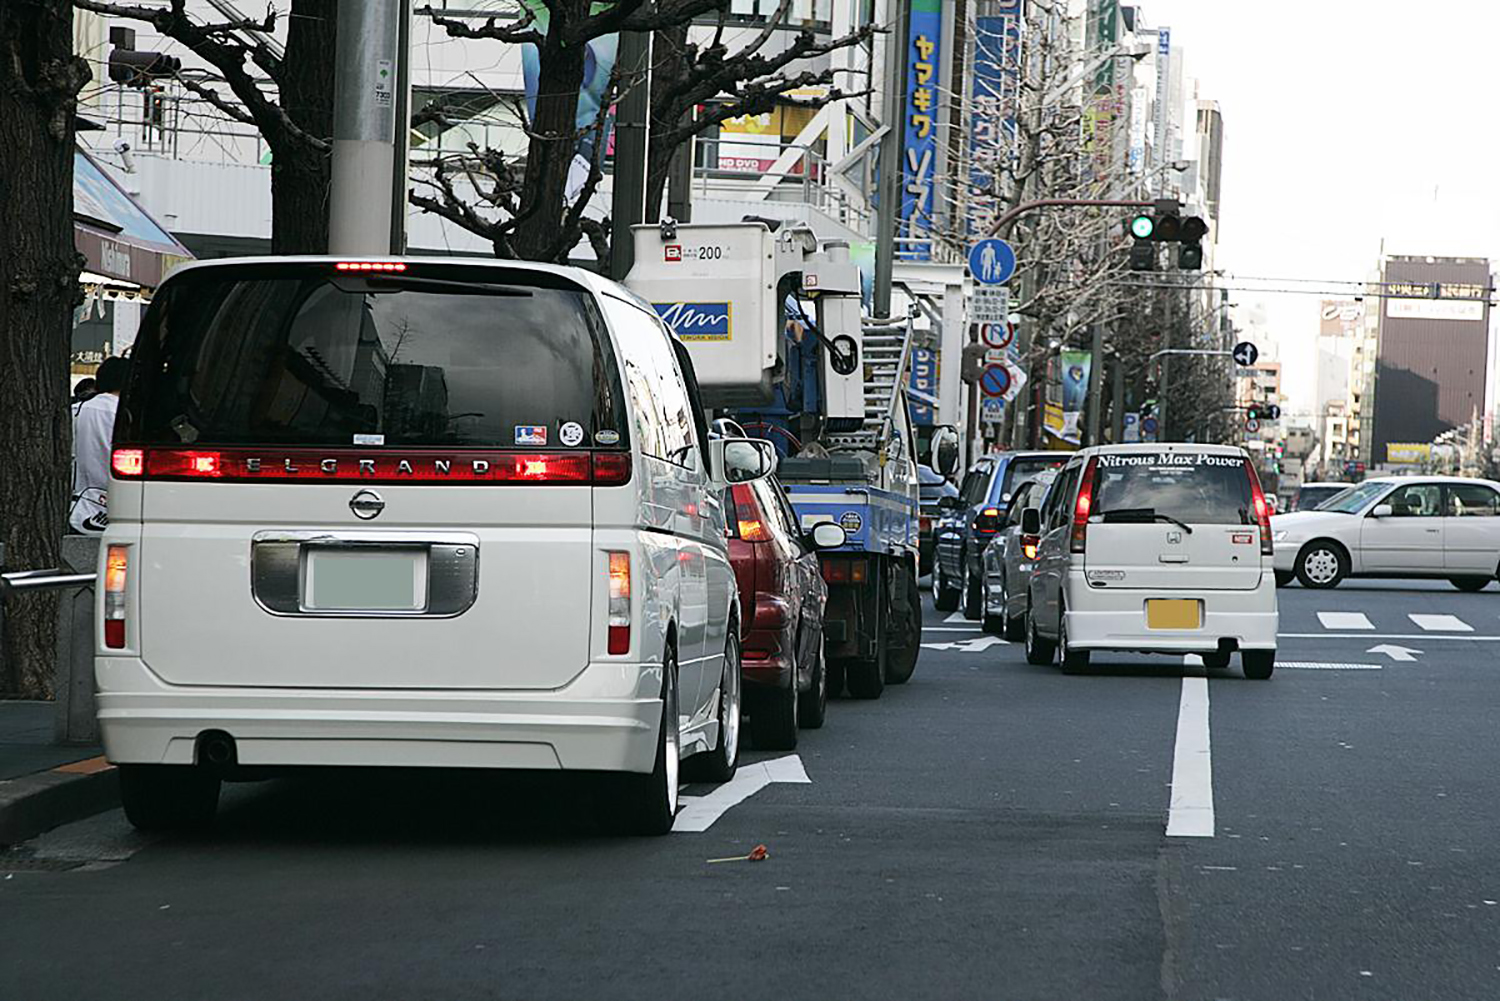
{"x": 1262, "y": 510}
{"x": 844, "y": 571}
{"x": 619, "y": 603}
{"x": 1081, "y": 508}
{"x": 116, "y": 564}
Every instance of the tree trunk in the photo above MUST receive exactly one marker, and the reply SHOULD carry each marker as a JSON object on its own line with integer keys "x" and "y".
{"x": 300, "y": 174}
{"x": 554, "y": 131}
{"x": 39, "y": 83}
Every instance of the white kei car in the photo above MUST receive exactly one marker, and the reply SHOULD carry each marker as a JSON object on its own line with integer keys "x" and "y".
{"x": 1440, "y": 527}
{"x": 1153, "y": 549}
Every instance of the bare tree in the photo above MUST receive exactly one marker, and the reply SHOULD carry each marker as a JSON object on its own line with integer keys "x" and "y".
{"x": 40, "y": 79}
{"x": 296, "y": 121}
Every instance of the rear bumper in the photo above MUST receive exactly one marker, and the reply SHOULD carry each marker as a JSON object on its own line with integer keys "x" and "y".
{"x": 606, "y": 719}
{"x": 1099, "y": 619}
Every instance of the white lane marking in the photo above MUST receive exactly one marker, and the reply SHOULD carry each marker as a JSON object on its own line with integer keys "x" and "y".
{"x": 1345, "y": 620}
{"x": 1424, "y": 637}
{"x": 1441, "y": 623}
{"x": 977, "y": 645}
{"x": 950, "y": 629}
{"x": 955, "y": 618}
{"x": 1191, "y": 814}
{"x": 1317, "y": 665}
{"x": 1402, "y": 653}
{"x": 698, "y": 813}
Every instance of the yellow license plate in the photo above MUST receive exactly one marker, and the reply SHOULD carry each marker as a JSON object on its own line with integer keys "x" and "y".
{"x": 1171, "y": 613}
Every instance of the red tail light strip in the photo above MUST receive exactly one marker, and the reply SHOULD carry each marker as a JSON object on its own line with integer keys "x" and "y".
{"x": 1262, "y": 510}
{"x": 256, "y": 465}
{"x": 1081, "y": 510}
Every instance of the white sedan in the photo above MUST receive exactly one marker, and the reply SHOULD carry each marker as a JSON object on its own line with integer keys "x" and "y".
{"x": 1412, "y": 526}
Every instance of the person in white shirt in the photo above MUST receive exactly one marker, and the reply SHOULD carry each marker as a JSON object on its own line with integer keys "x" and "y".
{"x": 93, "y": 432}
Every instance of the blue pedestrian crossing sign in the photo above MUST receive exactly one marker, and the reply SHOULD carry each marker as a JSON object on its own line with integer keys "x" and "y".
{"x": 992, "y": 261}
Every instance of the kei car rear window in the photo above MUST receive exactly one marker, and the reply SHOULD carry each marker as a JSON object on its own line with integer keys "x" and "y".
{"x": 437, "y": 356}
{"x": 1191, "y": 487}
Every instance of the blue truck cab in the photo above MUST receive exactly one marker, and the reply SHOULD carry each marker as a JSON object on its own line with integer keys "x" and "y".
{"x": 971, "y": 519}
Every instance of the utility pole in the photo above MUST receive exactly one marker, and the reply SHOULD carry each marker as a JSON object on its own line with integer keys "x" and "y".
{"x": 401, "y": 158}
{"x": 364, "y": 127}
{"x": 889, "y": 187}
{"x": 1117, "y": 407}
{"x": 629, "y": 201}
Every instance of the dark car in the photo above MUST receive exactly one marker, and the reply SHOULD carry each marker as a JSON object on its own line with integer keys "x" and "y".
{"x": 1310, "y": 495}
{"x": 782, "y": 598}
{"x": 934, "y": 487}
{"x": 971, "y": 520}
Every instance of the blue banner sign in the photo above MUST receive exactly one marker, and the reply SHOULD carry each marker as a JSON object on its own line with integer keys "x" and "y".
{"x": 919, "y": 144}
{"x": 698, "y": 321}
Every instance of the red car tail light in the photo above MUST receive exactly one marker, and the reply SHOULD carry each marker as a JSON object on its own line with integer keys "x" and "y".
{"x": 1082, "y": 507}
{"x": 747, "y": 513}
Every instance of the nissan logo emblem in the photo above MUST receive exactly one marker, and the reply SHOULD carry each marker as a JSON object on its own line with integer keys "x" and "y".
{"x": 366, "y": 504}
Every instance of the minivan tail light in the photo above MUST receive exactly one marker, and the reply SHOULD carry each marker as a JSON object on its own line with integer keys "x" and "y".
{"x": 619, "y": 603}
{"x": 1262, "y": 511}
{"x": 116, "y": 565}
{"x": 128, "y": 463}
{"x": 1082, "y": 506}
{"x": 311, "y": 465}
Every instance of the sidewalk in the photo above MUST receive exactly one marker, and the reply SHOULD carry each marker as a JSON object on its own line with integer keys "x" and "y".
{"x": 43, "y": 785}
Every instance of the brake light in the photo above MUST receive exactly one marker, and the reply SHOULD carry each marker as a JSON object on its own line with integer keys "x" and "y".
{"x": 1029, "y": 544}
{"x": 844, "y": 571}
{"x": 370, "y": 266}
{"x": 1262, "y": 511}
{"x": 116, "y": 564}
{"x": 1082, "y": 507}
{"x": 611, "y": 469}
{"x": 619, "y": 603}
{"x": 988, "y": 521}
{"x": 747, "y": 513}
{"x": 128, "y": 463}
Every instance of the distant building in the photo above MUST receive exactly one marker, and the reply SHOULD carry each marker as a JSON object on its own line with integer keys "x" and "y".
{"x": 1432, "y": 365}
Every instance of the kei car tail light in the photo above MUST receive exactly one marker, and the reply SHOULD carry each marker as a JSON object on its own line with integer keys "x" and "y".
{"x": 1081, "y": 508}
{"x": 116, "y": 563}
{"x": 619, "y": 603}
{"x": 1262, "y": 510}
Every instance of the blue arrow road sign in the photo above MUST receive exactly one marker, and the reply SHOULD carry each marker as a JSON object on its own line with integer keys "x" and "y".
{"x": 995, "y": 380}
{"x": 992, "y": 261}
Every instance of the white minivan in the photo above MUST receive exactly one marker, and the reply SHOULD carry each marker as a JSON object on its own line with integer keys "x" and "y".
{"x": 1153, "y": 549}
{"x": 415, "y": 512}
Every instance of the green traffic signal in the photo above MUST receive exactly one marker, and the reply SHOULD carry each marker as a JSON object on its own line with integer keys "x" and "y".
{"x": 1142, "y": 226}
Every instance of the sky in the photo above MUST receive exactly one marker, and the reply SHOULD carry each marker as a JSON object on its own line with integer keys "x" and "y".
{"x": 1346, "y": 123}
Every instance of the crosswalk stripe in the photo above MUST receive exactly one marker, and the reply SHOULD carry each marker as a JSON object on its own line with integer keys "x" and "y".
{"x": 1441, "y": 623}
{"x": 1345, "y": 620}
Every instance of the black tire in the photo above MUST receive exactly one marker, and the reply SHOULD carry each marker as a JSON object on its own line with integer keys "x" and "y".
{"x": 812, "y": 707}
{"x": 647, "y": 804}
{"x": 1322, "y": 564}
{"x": 1218, "y": 660}
{"x": 719, "y": 764}
{"x": 901, "y": 660}
{"x": 993, "y": 624}
{"x": 773, "y": 718}
{"x": 169, "y": 797}
{"x": 944, "y": 598}
{"x": 1470, "y": 584}
{"x": 973, "y": 594}
{"x": 1071, "y": 661}
{"x": 836, "y": 676}
{"x": 1285, "y": 577}
{"x": 1258, "y": 664}
{"x": 1039, "y": 649}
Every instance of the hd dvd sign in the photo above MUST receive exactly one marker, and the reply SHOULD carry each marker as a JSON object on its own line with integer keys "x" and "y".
{"x": 698, "y": 321}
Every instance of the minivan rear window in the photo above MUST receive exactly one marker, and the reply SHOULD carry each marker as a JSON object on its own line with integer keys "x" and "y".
{"x": 1021, "y": 471}
{"x": 1194, "y": 488}
{"x": 446, "y": 356}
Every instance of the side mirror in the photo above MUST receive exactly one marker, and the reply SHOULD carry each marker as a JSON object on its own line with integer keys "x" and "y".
{"x": 945, "y": 450}
{"x": 828, "y": 535}
{"x": 740, "y": 460}
{"x": 1031, "y": 521}
{"x": 1381, "y": 511}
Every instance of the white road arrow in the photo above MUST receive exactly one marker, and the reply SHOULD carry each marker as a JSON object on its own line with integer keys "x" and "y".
{"x": 977, "y": 645}
{"x": 698, "y": 813}
{"x": 1394, "y": 652}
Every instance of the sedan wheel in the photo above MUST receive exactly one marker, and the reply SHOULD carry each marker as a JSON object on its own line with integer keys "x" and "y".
{"x": 944, "y": 598}
{"x": 719, "y": 764}
{"x": 773, "y": 718}
{"x": 973, "y": 595}
{"x": 1039, "y": 650}
{"x": 1322, "y": 565}
{"x": 1015, "y": 626}
{"x": 812, "y": 708}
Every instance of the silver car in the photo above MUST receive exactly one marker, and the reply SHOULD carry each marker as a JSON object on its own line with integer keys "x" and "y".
{"x": 1007, "y": 563}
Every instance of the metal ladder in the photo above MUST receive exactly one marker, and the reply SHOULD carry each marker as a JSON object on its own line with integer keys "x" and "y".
{"x": 886, "y": 356}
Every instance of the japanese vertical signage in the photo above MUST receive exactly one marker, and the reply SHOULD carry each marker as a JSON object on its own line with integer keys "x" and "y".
{"x": 919, "y": 148}
{"x": 924, "y": 379}
{"x": 996, "y": 103}
{"x": 1161, "y": 146}
{"x": 1103, "y": 103}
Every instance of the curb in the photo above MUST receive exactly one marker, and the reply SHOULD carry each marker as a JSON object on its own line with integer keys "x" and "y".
{"x": 39, "y": 802}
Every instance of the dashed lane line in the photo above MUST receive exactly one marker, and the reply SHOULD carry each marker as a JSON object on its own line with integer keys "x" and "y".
{"x": 1191, "y": 813}
{"x": 1441, "y": 623}
{"x": 1345, "y": 620}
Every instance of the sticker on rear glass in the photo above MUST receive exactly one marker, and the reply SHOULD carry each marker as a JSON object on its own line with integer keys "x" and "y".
{"x": 607, "y": 437}
{"x": 570, "y": 434}
{"x": 531, "y": 434}
{"x": 852, "y": 522}
{"x": 369, "y": 439}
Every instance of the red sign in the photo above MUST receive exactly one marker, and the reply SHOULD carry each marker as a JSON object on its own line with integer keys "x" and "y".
{"x": 674, "y": 252}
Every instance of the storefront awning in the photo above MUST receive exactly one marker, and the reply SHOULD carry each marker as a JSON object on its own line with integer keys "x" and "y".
{"x": 117, "y": 237}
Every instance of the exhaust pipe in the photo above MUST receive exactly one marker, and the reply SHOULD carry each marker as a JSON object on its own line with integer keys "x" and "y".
{"x": 216, "y": 749}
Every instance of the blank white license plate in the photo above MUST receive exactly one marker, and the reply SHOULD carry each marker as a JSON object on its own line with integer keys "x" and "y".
{"x": 367, "y": 580}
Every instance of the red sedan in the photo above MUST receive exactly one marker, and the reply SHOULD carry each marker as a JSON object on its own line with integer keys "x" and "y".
{"x": 782, "y": 597}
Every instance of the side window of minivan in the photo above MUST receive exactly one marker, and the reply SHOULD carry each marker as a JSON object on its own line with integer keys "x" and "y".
{"x": 1059, "y": 497}
{"x": 664, "y": 415}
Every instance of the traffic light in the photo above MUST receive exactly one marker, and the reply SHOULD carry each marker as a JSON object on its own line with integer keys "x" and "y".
{"x": 140, "y": 69}
{"x": 1190, "y": 253}
{"x": 1252, "y": 413}
{"x": 1166, "y": 224}
{"x": 1143, "y": 256}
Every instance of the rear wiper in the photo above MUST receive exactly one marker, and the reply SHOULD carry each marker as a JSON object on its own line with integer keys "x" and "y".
{"x": 1148, "y": 514}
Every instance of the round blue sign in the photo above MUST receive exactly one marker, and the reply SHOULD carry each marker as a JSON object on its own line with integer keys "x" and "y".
{"x": 995, "y": 380}
{"x": 992, "y": 261}
{"x": 1149, "y": 425}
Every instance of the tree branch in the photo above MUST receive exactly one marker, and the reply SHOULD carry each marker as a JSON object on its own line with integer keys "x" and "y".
{"x": 520, "y": 33}
{"x": 216, "y": 99}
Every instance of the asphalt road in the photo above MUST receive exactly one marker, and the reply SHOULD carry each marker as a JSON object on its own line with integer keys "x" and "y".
{"x": 990, "y": 830}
